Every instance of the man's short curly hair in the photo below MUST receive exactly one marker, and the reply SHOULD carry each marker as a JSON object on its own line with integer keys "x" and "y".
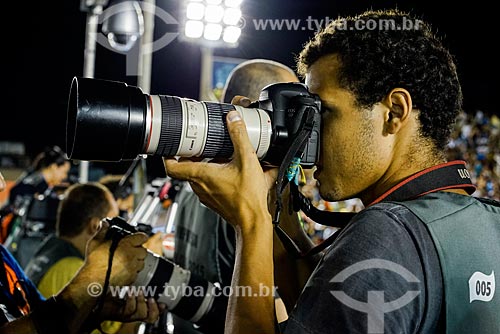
{"x": 381, "y": 50}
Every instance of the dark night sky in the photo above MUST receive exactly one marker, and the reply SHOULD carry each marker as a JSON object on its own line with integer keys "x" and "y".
{"x": 43, "y": 62}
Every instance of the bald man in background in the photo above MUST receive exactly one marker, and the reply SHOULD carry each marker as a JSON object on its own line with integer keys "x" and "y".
{"x": 204, "y": 242}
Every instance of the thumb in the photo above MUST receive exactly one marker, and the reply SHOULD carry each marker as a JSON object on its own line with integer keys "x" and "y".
{"x": 239, "y": 100}
{"x": 239, "y": 135}
{"x": 136, "y": 239}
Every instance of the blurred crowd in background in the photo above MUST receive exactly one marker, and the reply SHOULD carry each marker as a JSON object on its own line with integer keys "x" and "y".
{"x": 476, "y": 139}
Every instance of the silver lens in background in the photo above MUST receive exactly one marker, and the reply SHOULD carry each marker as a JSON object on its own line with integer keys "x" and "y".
{"x": 184, "y": 294}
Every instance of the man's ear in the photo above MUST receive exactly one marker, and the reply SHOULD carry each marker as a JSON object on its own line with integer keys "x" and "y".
{"x": 399, "y": 105}
{"x": 93, "y": 226}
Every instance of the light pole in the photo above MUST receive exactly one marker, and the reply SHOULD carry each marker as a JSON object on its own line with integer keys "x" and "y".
{"x": 207, "y": 60}
{"x": 93, "y": 8}
{"x": 123, "y": 27}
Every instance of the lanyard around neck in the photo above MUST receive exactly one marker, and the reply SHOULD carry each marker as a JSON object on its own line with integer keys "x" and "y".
{"x": 450, "y": 175}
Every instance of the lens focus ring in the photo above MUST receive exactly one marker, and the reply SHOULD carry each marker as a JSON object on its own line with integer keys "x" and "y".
{"x": 218, "y": 144}
{"x": 171, "y": 126}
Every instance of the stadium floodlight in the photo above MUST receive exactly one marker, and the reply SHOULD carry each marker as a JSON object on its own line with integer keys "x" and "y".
{"x": 233, "y": 3}
{"x": 194, "y": 29}
{"x": 232, "y": 16}
{"x": 212, "y": 23}
{"x": 195, "y": 11}
{"x": 214, "y": 14}
{"x": 212, "y": 32}
{"x": 231, "y": 34}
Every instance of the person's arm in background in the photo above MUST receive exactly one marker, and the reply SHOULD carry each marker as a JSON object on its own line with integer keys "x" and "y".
{"x": 72, "y": 307}
{"x": 218, "y": 185}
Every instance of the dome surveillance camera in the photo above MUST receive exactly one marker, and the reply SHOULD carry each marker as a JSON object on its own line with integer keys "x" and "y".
{"x": 123, "y": 24}
{"x": 121, "y": 42}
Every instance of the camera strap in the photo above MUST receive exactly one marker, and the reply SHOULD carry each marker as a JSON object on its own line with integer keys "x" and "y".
{"x": 286, "y": 174}
{"x": 112, "y": 248}
{"x": 450, "y": 175}
{"x": 295, "y": 150}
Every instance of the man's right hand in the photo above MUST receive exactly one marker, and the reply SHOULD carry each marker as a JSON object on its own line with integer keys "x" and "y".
{"x": 218, "y": 184}
{"x": 128, "y": 258}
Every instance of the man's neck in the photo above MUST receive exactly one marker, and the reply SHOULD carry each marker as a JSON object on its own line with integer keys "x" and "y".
{"x": 457, "y": 191}
{"x": 447, "y": 176}
{"x": 395, "y": 174}
{"x": 79, "y": 242}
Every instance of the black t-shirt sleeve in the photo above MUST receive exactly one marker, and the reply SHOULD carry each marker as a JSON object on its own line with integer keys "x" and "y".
{"x": 371, "y": 280}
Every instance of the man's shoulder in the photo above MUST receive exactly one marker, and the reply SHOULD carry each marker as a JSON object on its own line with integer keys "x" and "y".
{"x": 438, "y": 205}
{"x": 50, "y": 253}
{"x": 408, "y": 214}
{"x": 385, "y": 232}
{"x": 384, "y": 253}
{"x": 54, "y": 246}
{"x": 380, "y": 218}
{"x": 67, "y": 264}
{"x": 59, "y": 274}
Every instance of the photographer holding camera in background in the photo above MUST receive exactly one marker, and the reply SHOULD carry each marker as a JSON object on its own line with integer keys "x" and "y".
{"x": 24, "y": 310}
{"x": 61, "y": 255}
{"x": 49, "y": 169}
{"x": 30, "y": 212}
{"x": 389, "y": 98}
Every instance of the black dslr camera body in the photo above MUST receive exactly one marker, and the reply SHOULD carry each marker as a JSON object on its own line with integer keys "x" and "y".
{"x": 119, "y": 228}
{"x": 292, "y": 109}
{"x": 112, "y": 121}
